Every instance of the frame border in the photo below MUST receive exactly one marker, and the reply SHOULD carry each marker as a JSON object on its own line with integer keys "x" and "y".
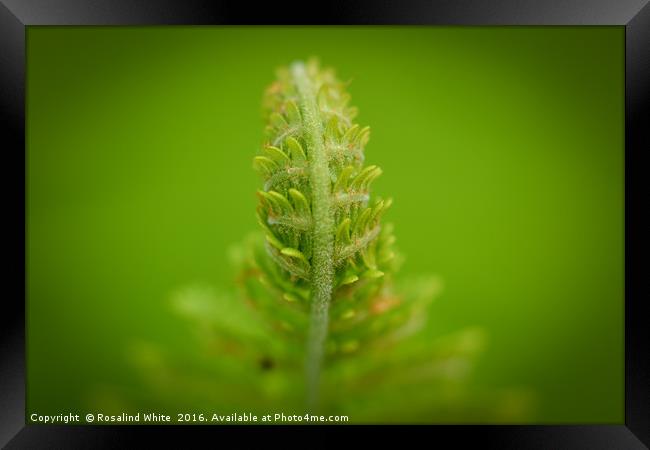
{"x": 16, "y": 15}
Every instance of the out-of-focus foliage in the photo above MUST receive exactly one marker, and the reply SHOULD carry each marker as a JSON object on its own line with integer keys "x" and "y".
{"x": 249, "y": 357}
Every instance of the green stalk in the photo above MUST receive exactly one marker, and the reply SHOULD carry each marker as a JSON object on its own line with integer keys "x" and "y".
{"x": 322, "y": 230}
{"x": 322, "y": 272}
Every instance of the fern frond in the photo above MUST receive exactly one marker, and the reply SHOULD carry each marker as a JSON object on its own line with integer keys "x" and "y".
{"x": 323, "y": 238}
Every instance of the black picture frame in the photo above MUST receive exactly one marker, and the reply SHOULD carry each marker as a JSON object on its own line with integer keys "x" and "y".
{"x": 634, "y": 15}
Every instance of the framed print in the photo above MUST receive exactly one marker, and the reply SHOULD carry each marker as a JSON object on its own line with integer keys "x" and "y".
{"x": 424, "y": 218}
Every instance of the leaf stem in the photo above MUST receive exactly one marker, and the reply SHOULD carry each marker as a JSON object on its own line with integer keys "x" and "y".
{"x": 323, "y": 230}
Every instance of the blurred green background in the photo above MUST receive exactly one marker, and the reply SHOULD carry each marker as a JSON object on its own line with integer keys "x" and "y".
{"x": 502, "y": 147}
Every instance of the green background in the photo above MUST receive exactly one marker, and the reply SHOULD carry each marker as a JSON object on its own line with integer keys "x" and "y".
{"x": 502, "y": 147}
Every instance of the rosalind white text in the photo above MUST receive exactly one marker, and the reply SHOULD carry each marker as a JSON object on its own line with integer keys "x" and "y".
{"x": 128, "y": 418}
